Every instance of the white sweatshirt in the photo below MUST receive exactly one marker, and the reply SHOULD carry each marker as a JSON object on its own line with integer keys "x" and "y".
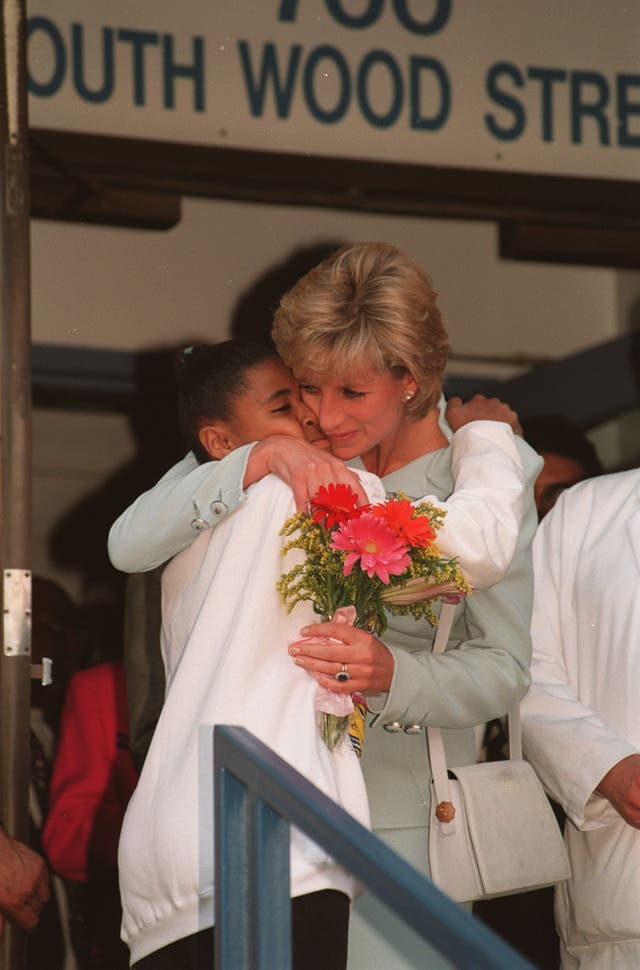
{"x": 225, "y": 637}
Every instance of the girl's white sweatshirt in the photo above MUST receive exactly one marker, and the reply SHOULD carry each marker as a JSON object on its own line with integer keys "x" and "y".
{"x": 225, "y": 637}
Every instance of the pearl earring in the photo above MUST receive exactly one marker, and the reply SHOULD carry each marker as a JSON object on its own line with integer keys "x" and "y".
{"x": 407, "y": 396}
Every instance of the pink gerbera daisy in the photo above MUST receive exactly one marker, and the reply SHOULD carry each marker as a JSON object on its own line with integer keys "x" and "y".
{"x": 380, "y": 550}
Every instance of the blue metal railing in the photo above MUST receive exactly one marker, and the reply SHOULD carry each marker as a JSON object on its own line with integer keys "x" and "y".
{"x": 257, "y": 797}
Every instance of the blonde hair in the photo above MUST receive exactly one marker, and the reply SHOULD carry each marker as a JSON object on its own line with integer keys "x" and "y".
{"x": 366, "y": 307}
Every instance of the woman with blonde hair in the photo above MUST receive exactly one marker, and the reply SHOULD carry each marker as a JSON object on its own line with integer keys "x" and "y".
{"x": 363, "y": 335}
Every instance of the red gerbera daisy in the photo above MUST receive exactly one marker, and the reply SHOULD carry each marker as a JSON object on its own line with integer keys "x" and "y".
{"x": 338, "y": 502}
{"x": 399, "y": 515}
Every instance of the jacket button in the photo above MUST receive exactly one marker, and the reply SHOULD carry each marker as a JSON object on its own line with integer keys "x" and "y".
{"x": 218, "y": 509}
{"x": 393, "y": 727}
{"x": 199, "y": 524}
{"x": 413, "y": 729}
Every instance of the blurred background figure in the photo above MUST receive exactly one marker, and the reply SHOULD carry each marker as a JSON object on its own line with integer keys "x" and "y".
{"x": 93, "y": 778}
{"x": 53, "y": 635}
{"x": 81, "y": 779}
{"x": 569, "y": 457}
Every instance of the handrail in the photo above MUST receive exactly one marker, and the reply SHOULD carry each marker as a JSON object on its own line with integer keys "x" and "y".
{"x": 257, "y": 796}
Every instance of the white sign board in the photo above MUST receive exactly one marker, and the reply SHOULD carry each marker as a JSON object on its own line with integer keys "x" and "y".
{"x": 547, "y": 86}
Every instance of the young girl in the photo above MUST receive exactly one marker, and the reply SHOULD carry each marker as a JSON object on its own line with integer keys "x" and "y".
{"x": 224, "y": 646}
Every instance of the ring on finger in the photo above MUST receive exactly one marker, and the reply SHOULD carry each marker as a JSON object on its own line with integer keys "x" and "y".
{"x": 343, "y": 674}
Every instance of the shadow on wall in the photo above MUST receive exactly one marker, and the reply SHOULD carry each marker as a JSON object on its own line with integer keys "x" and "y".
{"x": 78, "y": 541}
{"x": 253, "y": 313}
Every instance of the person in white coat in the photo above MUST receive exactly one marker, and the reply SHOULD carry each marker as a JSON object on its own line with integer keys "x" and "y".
{"x": 581, "y": 728}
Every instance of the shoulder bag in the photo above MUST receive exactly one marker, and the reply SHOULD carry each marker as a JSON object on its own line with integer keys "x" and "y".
{"x": 492, "y": 831}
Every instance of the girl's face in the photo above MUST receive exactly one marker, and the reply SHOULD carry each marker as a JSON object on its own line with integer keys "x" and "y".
{"x": 272, "y": 404}
{"x": 359, "y": 414}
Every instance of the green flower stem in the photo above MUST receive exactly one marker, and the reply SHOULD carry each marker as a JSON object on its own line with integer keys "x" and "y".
{"x": 333, "y": 728}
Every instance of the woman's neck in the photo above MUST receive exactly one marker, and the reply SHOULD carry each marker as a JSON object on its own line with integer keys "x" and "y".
{"x": 411, "y": 440}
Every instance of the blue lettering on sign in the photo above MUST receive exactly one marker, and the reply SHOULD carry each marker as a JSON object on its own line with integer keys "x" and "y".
{"x": 46, "y": 89}
{"x": 368, "y": 17}
{"x": 104, "y": 92}
{"x": 327, "y": 52}
{"x": 439, "y": 20}
{"x": 139, "y": 40}
{"x": 372, "y": 59}
{"x": 143, "y": 44}
{"x": 589, "y": 98}
{"x": 435, "y": 121}
{"x": 257, "y": 87}
{"x": 505, "y": 131}
{"x": 627, "y": 107}
{"x": 275, "y": 73}
{"x": 593, "y": 104}
{"x": 194, "y": 71}
{"x": 372, "y": 12}
{"x": 579, "y": 107}
{"x": 547, "y": 77}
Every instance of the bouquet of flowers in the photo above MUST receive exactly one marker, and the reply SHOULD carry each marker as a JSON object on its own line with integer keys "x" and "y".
{"x": 373, "y": 558}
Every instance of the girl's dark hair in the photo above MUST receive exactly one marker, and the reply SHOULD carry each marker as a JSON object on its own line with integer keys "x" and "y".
{"x": 209, "y": 379}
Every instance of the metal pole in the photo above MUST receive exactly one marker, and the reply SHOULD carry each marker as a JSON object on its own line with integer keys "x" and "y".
{"x": 15, "y": 445}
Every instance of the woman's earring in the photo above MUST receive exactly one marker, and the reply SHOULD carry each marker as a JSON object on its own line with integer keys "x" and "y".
{"x": 407, "y": 396}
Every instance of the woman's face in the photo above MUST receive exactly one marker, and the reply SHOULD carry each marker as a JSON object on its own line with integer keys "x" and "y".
{"x": 358, "y": 414}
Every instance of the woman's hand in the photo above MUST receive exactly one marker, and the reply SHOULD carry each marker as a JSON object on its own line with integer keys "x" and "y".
{"x": 366, "y": 659}
{"x": 621, "y": 785}
{"x": 302, "y": 466}
{"x": 480, "y": 408}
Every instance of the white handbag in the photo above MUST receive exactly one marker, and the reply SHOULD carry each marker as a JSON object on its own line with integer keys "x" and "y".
{"x": 492, "y": 831}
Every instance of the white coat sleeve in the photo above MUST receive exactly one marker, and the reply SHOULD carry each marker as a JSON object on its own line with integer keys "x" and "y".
{"x": 566, "y": 741}
{"x": 491, "y": 470}
{"x": 164, "y": 520}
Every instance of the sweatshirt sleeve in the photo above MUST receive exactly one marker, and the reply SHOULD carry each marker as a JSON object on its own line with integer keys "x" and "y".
{"x": 492, "y": 472}
{"x": 485, "y": 669}
{"x": 164, "y": 520}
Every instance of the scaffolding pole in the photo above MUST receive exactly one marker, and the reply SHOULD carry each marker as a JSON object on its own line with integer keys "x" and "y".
{"x": 15, "y": 446}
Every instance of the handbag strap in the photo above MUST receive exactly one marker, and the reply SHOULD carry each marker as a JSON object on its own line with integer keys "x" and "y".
{"x": 434, "y": 734}
{"x": 435, "y": 744}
